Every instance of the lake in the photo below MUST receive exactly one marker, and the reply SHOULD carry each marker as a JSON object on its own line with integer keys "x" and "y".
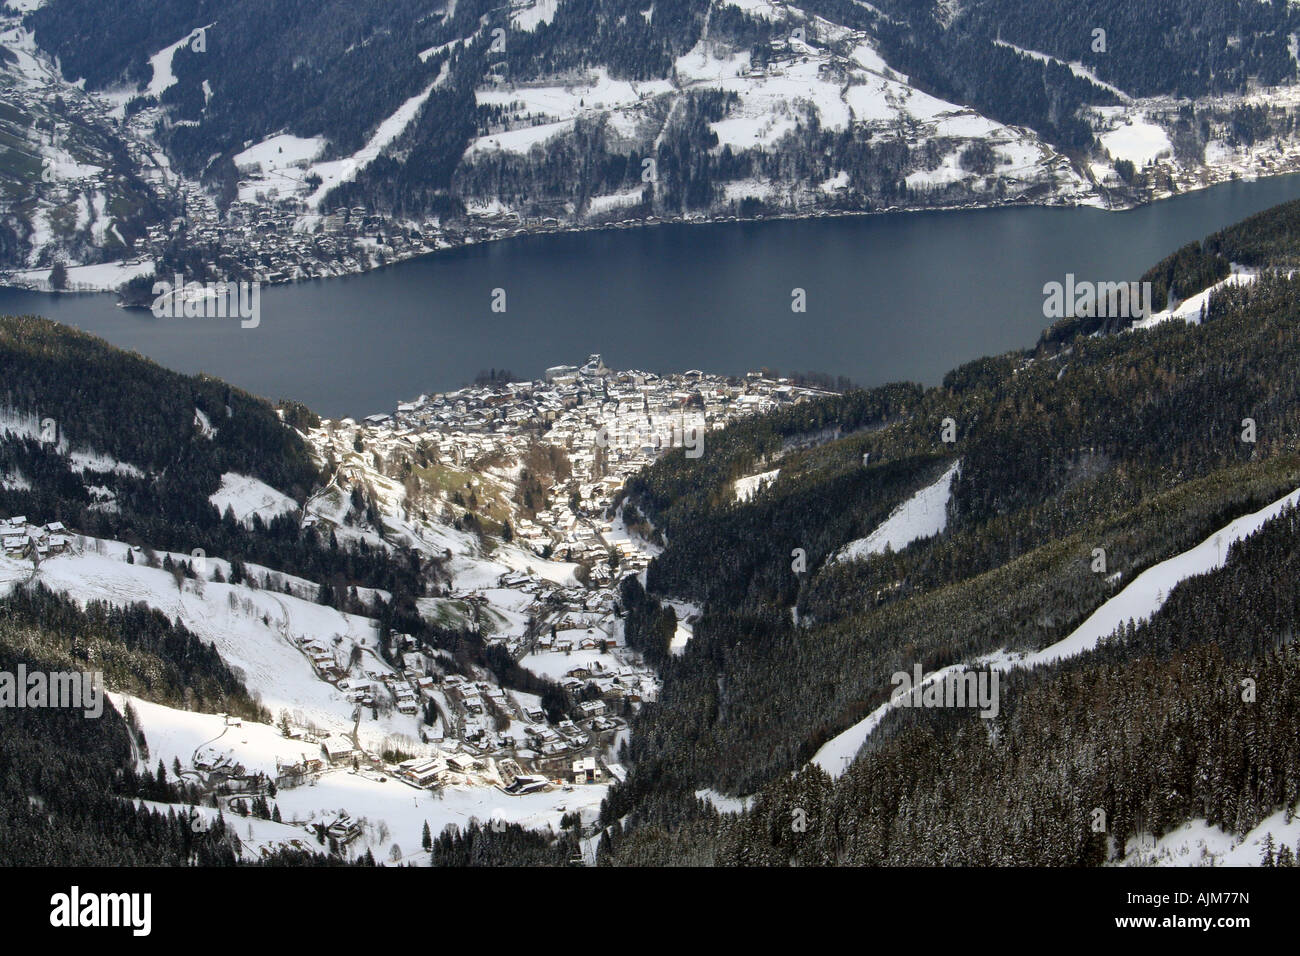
{"x": 888, "y": 297}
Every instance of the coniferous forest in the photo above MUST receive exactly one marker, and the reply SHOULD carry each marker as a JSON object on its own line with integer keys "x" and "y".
{"x": 1128, "y": 442}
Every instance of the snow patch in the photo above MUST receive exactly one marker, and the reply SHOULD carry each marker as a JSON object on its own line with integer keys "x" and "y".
{"x": 923, "y": 515}
{"x": 751, "y": 485}
{"x": 1139, "y": 141}
{"x": 247, "y": 496}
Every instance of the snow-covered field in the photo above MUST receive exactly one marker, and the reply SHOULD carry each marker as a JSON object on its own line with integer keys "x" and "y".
{"x": 246, "y": 497}
{"x": 402, "y": 809}
{"x": 253, "y": 628}
{"x": 188, "y": 736}
{"x": 103, "y": 277}
{"x": 1139, "y": 141}
{"x": 555, "y": 664}
{"x": 405, "y": 809}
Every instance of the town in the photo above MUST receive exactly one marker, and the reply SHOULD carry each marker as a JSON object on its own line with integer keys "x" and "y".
{"x": 511, "y": 490}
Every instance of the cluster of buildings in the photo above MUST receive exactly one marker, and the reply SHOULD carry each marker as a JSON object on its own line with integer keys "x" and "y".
{"x": 609, "y": 424}
{"x": 279, "y": 241}
{"x": 603, "y": 425}
{"x": 22, "y": 540}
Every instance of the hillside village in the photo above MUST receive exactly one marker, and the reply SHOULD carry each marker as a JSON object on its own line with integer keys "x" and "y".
{"x": 604, "y": 426}
{"x": 511, "y": 488}
{"x": 274, "y": 224}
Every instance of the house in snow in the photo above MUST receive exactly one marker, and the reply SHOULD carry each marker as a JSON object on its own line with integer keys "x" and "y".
{"x": 338, "y": 749}
{"x": 461, "y": 763}
{"x": 423, "y": 771}
{"x": 344, "y": 829}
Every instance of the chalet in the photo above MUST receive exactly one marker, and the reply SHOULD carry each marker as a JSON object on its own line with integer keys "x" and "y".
{"x": 592, "y": 708}
{"x": 289, "y": 775}
{"x": 527, "y": 783}
{"x": 338, "y": 749}
{"x": 423, "y": 771}
{"x": 586, "y": 770}
{"x": 461, "y": 763}
{"x": 344, "y": 829}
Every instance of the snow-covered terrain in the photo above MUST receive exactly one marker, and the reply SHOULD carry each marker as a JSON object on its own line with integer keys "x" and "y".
{"x": 254, "y": 629}
{"x": 102, "y": 277}
{"x": 923, "y": 515}
{"x": 527, "y": 15}
{"x": 246, "y": 497}
{"x": 1196, "y": 843}
{"x": 1190, "y": 309}
{"x": 751, "y": 485}
{"x": 839, "y": 79}
{"x": 342, "y": 170}
{"x": 391, "y": 810}
{"x": 1143, "y": 596}
{"x": 1139, "y": 141}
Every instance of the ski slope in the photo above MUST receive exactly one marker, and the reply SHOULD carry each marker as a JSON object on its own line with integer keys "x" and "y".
{"x": 1142, "y": 598}
{"x": 923, "y": 515}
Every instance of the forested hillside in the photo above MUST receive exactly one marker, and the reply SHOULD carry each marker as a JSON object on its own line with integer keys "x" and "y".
{"x": 1157, "y": 46}
{"x": 68, "y": 783}
{"x": 1134, "y": 446}
{"x": 824, "y": 96}
{"x": 154, "y": 460}
{"x": 1153, "y": 729}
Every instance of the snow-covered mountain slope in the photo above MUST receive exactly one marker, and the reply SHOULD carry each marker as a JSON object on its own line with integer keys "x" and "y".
{"x": 70, "y": 194}
{"x": 542, "y": 114}
{"x": 1138, "y": 601}
{"x": 255, "y": 630}
{"x": 923, "y": 515}
{"x": 389, "y": 810}
{"x": 1196, "y": 843}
